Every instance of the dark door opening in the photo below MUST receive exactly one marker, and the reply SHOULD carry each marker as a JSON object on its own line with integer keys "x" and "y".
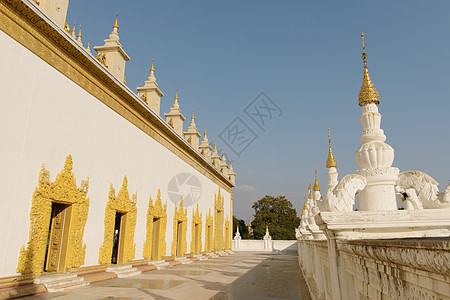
{"x": 179, "y": 237}
{"x": 116, "y": 238}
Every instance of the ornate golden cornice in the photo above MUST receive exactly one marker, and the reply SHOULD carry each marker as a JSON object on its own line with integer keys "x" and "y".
{"x": 30, "y": 28}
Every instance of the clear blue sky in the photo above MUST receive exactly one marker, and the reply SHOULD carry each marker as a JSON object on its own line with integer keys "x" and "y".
{"x": 306, "y": 56}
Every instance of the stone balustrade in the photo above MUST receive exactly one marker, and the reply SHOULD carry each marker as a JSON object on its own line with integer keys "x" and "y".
{"x": 339, "y": 267}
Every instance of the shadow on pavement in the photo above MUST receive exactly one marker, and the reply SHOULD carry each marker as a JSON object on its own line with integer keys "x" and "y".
{"x": 276, "y": 277}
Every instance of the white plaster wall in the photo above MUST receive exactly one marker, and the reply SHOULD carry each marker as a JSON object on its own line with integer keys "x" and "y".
{"x": 43, "y": 117}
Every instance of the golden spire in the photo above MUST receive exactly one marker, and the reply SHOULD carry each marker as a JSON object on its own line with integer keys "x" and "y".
{"x": 79, "y": 34}
{"x": 88, "y": 48}
{"x": 368, "y": 93}
{"x": 74, "y": 29}
{"x": 176, "y": 94}
{"x": 66, "y": 26}
{"x": 310, "y": 195}
{"x": 316, "y": 186}
{"x": 304, "y": 204}
{"x": 152, "y": 69}
{"x": 116, "y": 24}
{"x": 192, "y": 118}
{"x": 330, "y": 161}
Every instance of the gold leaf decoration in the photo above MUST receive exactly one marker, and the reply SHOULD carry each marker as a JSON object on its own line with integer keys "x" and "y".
{"x": 127, "y": 206}
{"x": 64, "y": 191}
{"x": 156, "y": 211}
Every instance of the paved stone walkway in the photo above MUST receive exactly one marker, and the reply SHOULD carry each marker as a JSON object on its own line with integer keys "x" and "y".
{"x": 243, "y": 275}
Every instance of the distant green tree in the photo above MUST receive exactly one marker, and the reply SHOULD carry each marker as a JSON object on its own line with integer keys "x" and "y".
{"x": 243, "y": 230}
{"x": 278, "y": 214}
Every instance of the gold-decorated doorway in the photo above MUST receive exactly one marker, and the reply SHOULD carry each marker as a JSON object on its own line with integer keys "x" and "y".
{"x": 58, "y": 216}
{"x": 209, "y": 232}
{"x": 120, "y": 221}
{"x": 196, "y": 234}
{"x": 155, "y": 240}
{"x": 218, "y": 222}
{"x": 179, "y": 244}
{"x": 227, "y": 234}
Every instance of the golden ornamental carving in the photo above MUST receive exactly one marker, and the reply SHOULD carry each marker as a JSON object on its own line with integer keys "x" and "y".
{"x": 101, "y": 58}
{"x": 144, "y": 98}
{"x": 156, "y": 211}
{"x": 63, "y": 190}
{"x": 196, "y": 243}
{"x": 218, "y": 222}
{"x": 179, "y": 216}
{"x": 209, "y": 235}
{"x": 127, "y": 206}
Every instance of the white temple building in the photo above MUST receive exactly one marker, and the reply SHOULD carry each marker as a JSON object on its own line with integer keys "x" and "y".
{"x": 92, "y": 175}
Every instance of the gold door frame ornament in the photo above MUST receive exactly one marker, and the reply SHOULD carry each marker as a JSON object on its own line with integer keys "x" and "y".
{"x": 63, "y": 190}
{"x": 218, "y": 221}
{"x": 196, "y": 220}
{"x": 179, "y": 216}
{"x": 227, "y": 234}
{"x": 156, "y": 210}
{"x": 125, "y": 205}
{"x": 208, "y": 238}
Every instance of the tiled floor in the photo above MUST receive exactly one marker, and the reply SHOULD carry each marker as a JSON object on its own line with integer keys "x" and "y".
{"x": 244, "y": 275}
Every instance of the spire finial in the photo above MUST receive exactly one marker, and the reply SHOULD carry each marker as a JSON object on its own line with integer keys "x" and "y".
{"x": 368, "y": 93}
{"x": 66, "y": 27}
{"x": 316, "y": 186}
{"x": 310, "y": 195}
{"x": 364, "y": 55}
{"x": 116, "y": 23}
{"x": 304, "y": 204}
{"x": 176, "y": 94}
{"x": 74, "y": 29}
{"x": 152, "y": 69}
{"x": 79, "y": 34}
{"x": 330, "y": 161}
{"x": 192, "y": 118}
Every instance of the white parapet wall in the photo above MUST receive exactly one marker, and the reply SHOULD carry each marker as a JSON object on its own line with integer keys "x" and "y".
{"x": 258, "y": 245}
{"x": 377, "y": 269}
{"x": 362, "y": 257}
